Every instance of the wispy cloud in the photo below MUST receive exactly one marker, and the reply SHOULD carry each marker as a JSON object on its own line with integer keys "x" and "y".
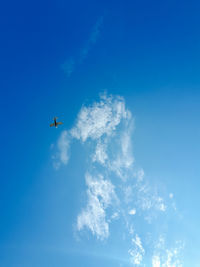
{"x": 100, "y": 154}
{"x": 167, "y": 257}
{"x": 63, "y": 146}
{"x": 69, "y": 65}
{"x": 155, "y": 261}
{"x": 92, "y": 39}
{"x": 100, "y": 195}
{"x": 137, "y": 252}
{"x": 61, "y": 156}
{"x": 116, "y": 188}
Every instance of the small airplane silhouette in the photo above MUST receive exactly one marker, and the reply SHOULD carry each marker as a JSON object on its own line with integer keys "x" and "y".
{"x": 55, "y": 123}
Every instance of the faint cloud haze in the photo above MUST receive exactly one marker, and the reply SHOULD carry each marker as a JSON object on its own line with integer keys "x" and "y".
{"x": 63, "y": 146}
{"x": 116, "y": 187}
{"x": 69, "y": 65}
{"x": 92, "y": 39}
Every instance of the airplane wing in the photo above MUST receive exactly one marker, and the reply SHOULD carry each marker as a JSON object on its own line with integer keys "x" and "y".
{"x": 59, "y": 123}
{"x": 51, "y": 125}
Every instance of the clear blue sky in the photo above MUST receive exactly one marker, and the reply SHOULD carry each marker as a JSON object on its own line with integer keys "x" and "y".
{"x": 56, "y": 58}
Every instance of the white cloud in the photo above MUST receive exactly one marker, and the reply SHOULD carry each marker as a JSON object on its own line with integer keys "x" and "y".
{"x": 99, "y": 122}
{"x": 123, "y": 158}
{"x": 99, "y": 119}
{"x": 100, "y": 154}
{"x": 100, "y": 195}
{"x": 132, "y": 212}
{"x": 156, "y": 261}
{"x": 167, "y": 257}
{"x": 137, "y": 252}
{"x": 172, "y": 259}
{"x": 114, "y": 184}
{"x": 149, "y": 200}
{"x": 93, "y": 217}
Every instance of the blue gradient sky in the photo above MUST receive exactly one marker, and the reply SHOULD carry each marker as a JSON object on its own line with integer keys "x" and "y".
{"x": 56, "y": 57}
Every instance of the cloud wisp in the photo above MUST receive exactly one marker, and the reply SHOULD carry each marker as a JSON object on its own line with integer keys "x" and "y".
{"x": 100, "y": 195}
{"x": 116, "y": 188}
{"x": 92, "y": 39}
{"x": 69, "y": 65}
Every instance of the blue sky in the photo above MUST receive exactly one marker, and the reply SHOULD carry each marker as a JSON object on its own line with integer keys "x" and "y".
{"x": 118, "y": 183}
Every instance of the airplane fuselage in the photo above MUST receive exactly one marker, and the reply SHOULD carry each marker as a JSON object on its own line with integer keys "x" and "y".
{"x": 55, "y": 123}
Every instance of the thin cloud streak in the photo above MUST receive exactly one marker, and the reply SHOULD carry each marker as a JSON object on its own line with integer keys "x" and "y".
{"x": 70, "y": 64}
{"x": 92, "y": 39}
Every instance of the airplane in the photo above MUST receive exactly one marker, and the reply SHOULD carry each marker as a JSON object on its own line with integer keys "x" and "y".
{"x": 55, "y": 123}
